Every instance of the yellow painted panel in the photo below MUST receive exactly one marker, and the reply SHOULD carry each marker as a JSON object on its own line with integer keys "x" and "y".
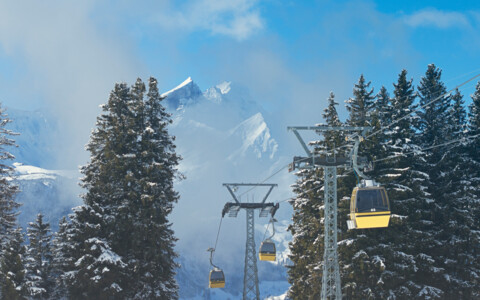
{"x": 372, "y": 220}
{"x": 267, "y": 257}
{"x": 216, "y": 284}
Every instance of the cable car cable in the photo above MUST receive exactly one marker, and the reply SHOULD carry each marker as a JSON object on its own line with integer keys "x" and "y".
{"x": 463, "y": 139}
{"x": 218, "y": 234}
{"x": 423, "y": 106}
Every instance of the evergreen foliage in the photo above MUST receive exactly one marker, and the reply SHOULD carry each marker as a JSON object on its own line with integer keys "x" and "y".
{"x": 11, "y": 249}
{"x": 122, "y": 238}
{"x": 62, "y": 251}
{"x": 307, "y": 246}
{"x": 38, "y": 260}
{"x": 360, "y": 106}
{"x": 12, "y": 267}
{"x": 431, "y": 248}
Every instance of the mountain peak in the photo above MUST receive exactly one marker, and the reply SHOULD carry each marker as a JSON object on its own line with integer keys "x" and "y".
{"x": 181, "y": 85}
{"x": 224, "y": 87}
{"x": 184, "y": 94}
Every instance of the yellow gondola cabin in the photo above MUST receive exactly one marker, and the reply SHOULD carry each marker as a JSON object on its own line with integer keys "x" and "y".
{"x": 369, "y": 208}
{"x": 216, "y": 279}
{"x": 267, "y": 251}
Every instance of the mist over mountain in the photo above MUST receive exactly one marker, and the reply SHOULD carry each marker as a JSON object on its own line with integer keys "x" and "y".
{"x": 223, "y": 136}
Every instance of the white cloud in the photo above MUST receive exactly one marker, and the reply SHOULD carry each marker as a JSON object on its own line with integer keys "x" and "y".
{"x": 437, "y": 18}
{"x": 238, "y": 19}
{"x": 68, "y": 60}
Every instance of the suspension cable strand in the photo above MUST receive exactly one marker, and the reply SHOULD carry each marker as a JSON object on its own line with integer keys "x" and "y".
{"x": 218, "y": 233}
{"x": 463, "y": 139}
{"x": 423, "y": 106}
{"x": 265, "y": 231}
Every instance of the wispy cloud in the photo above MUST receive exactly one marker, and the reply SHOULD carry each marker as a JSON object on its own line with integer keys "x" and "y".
{"x": 68, "y": 61}
{"x": 436, "y": 18}
{"x": 238, "y": 19}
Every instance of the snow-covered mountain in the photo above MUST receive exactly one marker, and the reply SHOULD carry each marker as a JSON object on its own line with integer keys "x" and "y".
{"x": 223, "y": 136}
{"x": 52, "y": 193}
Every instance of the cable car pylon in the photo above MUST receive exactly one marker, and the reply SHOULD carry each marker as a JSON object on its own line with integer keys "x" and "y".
{"x": 331, "y": 285}
{"x": 250, "y": 277}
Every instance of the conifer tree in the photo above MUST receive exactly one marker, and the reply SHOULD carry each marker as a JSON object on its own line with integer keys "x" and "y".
{"x": 62, "y": 259}
{"x": 11, "y": 251}
{"x": 307, "y": 246}
{"x": 129, "y": 184}
{"x": 360, "y": 263}
{"x": 360, "y": 106}
{"x": 97, "y": 270}
{"x": 434, "y": 128}
{"x": 12, "y": 285}
{"x": 38, "y": 260}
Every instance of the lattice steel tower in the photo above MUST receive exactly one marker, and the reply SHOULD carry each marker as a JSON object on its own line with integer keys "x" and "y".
{"x": 331, "y": 285}
{"x": 250, "y": 275}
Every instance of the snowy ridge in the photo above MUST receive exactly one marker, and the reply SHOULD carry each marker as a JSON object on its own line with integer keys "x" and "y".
{"x": 181, "y": 85}
{"x": 224, "y": 87}
{"x": 26, "y": 172}
{"x": 256, "y": 136}
{"x": 185, "y": 94}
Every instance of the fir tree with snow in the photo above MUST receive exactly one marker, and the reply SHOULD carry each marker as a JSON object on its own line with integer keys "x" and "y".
{"x": 307, "y": 245}
{"x": 12, "y": 285}
{"x": 62, "y": 259}
{"x": 11, "y": 249}
{"x": 360, "y": 106}
{"x": 38, "y": 260}
{"x": 122, "y": 233}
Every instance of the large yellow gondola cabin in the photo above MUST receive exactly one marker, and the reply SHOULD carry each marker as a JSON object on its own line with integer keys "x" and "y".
{"x": 216, "y": 279}
{"x": 369, "y": 207}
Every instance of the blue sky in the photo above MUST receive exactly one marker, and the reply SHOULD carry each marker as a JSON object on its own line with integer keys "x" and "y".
{"x": 65, "y": 56}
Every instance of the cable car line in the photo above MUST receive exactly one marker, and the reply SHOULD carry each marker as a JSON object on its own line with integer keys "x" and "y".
{"x": 422, "y": 106}
{"x": 463, "y": 139}
{"x": 218, "y": 233}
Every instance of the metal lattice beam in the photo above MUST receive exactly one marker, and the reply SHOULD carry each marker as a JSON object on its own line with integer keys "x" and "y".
{"x": 331, "y": 284}
{"x": 331, "y": 287}
{"x": 250, "y": 275}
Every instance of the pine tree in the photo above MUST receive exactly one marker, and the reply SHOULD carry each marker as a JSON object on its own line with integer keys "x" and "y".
{"x": 470, "y": 266}
{"x": 360, "y": 106}
{"x": 62, "y": 259}
{"x": 38, "y": 260}
{"x": 434, "y": 128}
{"x": 129, "y": 184}
{"x": 12, "y": 285}
{"x": 360, "y": 263}
{"x": 11, "y": 253}
{"x": 307, "y": 246}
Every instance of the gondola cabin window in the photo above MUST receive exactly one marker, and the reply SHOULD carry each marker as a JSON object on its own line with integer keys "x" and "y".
{"x": 372, "y": 200}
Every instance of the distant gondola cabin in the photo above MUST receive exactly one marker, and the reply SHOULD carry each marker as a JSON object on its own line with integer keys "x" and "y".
{"x": 267, "y": 251}
{"x": 216, "y": 279}
{"x": 369, "y": 208}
